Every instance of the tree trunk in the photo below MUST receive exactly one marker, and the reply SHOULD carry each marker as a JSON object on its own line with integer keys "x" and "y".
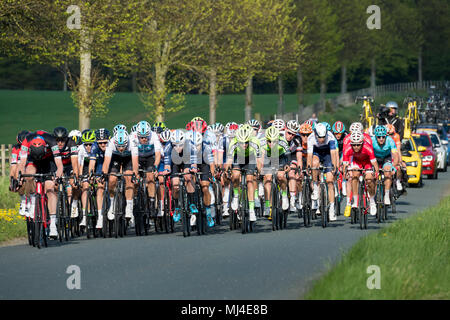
{"x": 160, "y": 91}
{"x": 420, "y": 68}
{"x": 373, "y": 74}
{"x": 344, "y": 78}
{"x": 249, "y": 98}
{"x": 84, "y": 115}
{"x": 323, "y": 90}
{"x": 300, "y": 90}
{"x": 280, "y": 110}
{"x": 212, "y": 95}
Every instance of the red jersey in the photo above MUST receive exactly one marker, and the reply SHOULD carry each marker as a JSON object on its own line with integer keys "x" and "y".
{"x": 15, "y": 154}
{"x": 365, "y": 156}
{"x": 51, "y": 148}
{"x": 367, "y": 139}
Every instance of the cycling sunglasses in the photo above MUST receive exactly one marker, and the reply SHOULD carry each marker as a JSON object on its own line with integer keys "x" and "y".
{"x": 88, "y": 144}
{"x": 104, "y": 142}
{"x": 357, "y": 145}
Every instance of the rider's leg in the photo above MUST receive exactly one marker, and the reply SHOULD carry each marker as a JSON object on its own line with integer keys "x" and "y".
{"x": 315, "y": 174}
{"x": 129, "y": 192}
{"x": 84, "y": 190}
{"x": 51, "y": 202}
{"x": 282, "y": 181}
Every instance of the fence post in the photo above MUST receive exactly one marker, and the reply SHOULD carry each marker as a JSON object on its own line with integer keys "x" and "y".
{"x": 3, "y": 156}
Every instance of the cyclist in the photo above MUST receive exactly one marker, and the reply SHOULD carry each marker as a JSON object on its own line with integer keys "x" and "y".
{"x": 149, "y": 149}
{"x": 68, "y": 149}
{"x": 305, "y": 131}
{"x": 76, "y": 136}
{"x": 387, "y": 156}
{"x": 13, "y": 172}
{"x": 259, "y": 134}
{"x": 275, "y": 152}
{"x": 164, "y": 139}
{"x": 360, "y": 155}
{"x": 244, "y": 153}
{"x": 322, "y": 149}
{"x": 230, "y": 133}
{"x": 119, "y": 127}
{"x": 294, "y": 155}
{"x": 340, "y": 134}
{"x": 40, "y": 154}
{"x": 84, "y": 151}
{"x": 280, "y": 125}
{"x": 396, "y": 137}
{"x": 96, "y": 158}
{"x": 121, "y": 155}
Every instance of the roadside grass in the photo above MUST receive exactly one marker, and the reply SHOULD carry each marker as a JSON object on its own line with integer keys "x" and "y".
{"x": 12, "y": 225}
{"x": 33, "y": 110}
{"x": 412, "y": 254}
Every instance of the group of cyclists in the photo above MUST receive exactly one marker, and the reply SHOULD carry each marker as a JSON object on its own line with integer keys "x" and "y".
{"x": 206, "y": 154}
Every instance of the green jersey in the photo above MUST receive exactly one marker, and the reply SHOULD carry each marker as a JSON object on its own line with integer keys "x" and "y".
{"x": 280, "y": 148}
{"x": 254, "y": 148}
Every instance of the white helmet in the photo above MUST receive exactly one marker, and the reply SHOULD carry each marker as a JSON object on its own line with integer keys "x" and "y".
{"x": 178, "y": 137}
{"x": 279, "y": 124}
{"x": 75, "y": 133}
{"x": 165, "y": 135}
{"x": 142, "y": 128}
{"x": 195, "y": 137}
{"x": 320, "y": 130}
{"x": 121, "y": 138}
{"x": 293, "y": 126}
{"x": 119, "y": 127}
{"x": 356, "y": 137}
{"x": 356, "y": 126}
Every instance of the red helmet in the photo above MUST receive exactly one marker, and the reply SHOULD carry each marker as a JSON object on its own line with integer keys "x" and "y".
{"x": 198, "y": 126}
{"x": 37, "y": 148}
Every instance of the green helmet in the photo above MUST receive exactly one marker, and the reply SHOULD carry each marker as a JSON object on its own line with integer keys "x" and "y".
{"x": 244, "y": 134}
{"x": 272, "y": 134}
{"x": 197, "y": 119}
{"x": 88, "y": 136}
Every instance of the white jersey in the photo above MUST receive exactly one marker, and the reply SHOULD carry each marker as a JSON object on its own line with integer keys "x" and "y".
{"x": 149, "y": 149}
{"x": 83, "y": 155}
{"x": 130, "y": 150}
{"x": 330, "y": 143}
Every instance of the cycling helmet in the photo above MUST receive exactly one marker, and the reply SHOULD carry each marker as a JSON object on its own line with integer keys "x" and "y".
{"x": 356, "y": 137}
{"x": 197, "y": 119}
{"x": 195, "y": 137}
{"x": 356, "y": 126}
{"x": 293, "y": 126}
{"x": 310, "y": 122}
{"x": 102, "y": 134}
{"x": 198, "y": 126}
{"x": 255, "y": 124}
{"x": 244, "y": 133}
{"x": 338, "y": 127}
{"x": 390, "y": 129}
{"x": 165, "y": 136}
{"x": 231, "y": 131}
{"x": 158, "y": 127}
{"x": 392, "y": 104}
{"x": 272, "y": 134}
{"x": 380, "y": 131}
{"x": 305, "y": 128}
{"x": 177, "y": 137}
{"x": 327, "y": 125}
{"x": 216, "y": 128}
{"x": 37, "y": 148}
{"x": 279, "y": 124}
{"x": 228, "y": 125}
{"x": 60, "y": 133}
{"x": 134, "y": 128}
{"x": 270, "y": 123}
{"x": 121, "y": 138}
{"x": 21, "y": 136}
{"x": 119, "y": 127}
{"x": 88, "y": 137}
{"x": 320, "y": 130}
{"x": 143, "y": 129}
{"x": 74, "y": 133}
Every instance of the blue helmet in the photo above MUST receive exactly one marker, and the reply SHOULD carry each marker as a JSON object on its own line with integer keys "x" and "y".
{"x": 119, "y": 127}
{"x": 121, "y": 138}
{"x": 380, "y": 131}
{"x": 143, "y": 128}
{"x": 327, "y": 125}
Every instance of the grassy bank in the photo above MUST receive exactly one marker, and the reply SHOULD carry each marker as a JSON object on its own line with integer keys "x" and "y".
{"x": 32, "y": 110}
{"x": 413, "y": 256}
{"x": 12, "y": 225}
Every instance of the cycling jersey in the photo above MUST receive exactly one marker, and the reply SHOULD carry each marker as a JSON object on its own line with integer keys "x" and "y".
{"x": 367, "y": 140}
{"x": 314, "y": 147}
{"x": 362, "y": 159}
{"x": 223, "y": 145}
{"x": 83, "y": 156}
{"x": 51, "y": 148}
{"x": 209, "y": 139}
{"x": 385, "y": 150}
{"x": 130, "y": 150}
{"x": 98, "y": 155}
{"x": 70, "y": 149}
{"x": 152, "y": 146}
{"x": 15, "y": 152}
{"x": 282, "y": 148}
{"x": 341, "y": 143}
{"x": 202, "y": 153}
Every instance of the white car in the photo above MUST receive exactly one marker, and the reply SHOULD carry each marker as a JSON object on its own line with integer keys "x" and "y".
{"x": 441, "y": 150}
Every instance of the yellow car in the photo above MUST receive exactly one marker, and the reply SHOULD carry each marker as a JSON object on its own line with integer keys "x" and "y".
{"x": 411, "y": 155}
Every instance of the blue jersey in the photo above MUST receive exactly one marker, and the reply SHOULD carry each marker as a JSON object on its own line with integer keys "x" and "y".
{"x": 99, "y": 156}
{"x": 384, "y": 151}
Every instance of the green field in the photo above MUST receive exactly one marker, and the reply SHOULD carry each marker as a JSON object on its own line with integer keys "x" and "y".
{"x": 412, "y": 254}
{"x": 45, "y": 110}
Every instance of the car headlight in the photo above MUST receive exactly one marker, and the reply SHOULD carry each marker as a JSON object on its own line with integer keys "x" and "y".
{"x": 412, "y": 164}
{"x": 428, "y": 158}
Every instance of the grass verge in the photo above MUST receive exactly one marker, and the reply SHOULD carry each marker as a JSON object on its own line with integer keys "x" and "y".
{"x": 412, "y": 254}
{"x": 12, "y": 225}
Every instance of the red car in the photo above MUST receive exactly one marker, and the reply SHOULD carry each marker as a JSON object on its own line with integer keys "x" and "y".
{"x": 429, "y": 165}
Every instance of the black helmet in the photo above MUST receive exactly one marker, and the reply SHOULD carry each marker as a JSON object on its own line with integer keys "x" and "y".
{"x": 60, "y": 133}
{"x": 21, "y": 136}
{"x": 102, "y": 134}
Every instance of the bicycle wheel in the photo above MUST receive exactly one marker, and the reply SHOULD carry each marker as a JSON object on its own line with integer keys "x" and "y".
{"x": 361, "y": 209}
{"x": 274, "y": 194}
{"x": 30, "y": 232}
{"x": 60, "y": 217}
{"x": 38, "y": 223}
{"x": 306, "y": 205}
{"x": 393, "y": 205}
{"x": 380, "y": 201}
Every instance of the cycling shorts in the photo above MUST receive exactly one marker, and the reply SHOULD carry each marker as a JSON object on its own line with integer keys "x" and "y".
{"x": 118, "y": 162}
{"x": 385, "y": 162}
{"x": 325, "y": 160}
{"x": 361, "y": 165}
{"x": 147, "y": 163}
{"x": 277, "y": 162}
{"x": 44, "y": 166}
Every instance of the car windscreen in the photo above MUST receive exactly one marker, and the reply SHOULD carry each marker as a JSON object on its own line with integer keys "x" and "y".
{"x": 407, "y": 145}
{"x": 422, "y": 141}
{"x": 434, "y": 139}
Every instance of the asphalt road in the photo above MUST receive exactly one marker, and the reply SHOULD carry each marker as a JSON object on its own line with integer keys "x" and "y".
{"x": 222, "y": 265}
